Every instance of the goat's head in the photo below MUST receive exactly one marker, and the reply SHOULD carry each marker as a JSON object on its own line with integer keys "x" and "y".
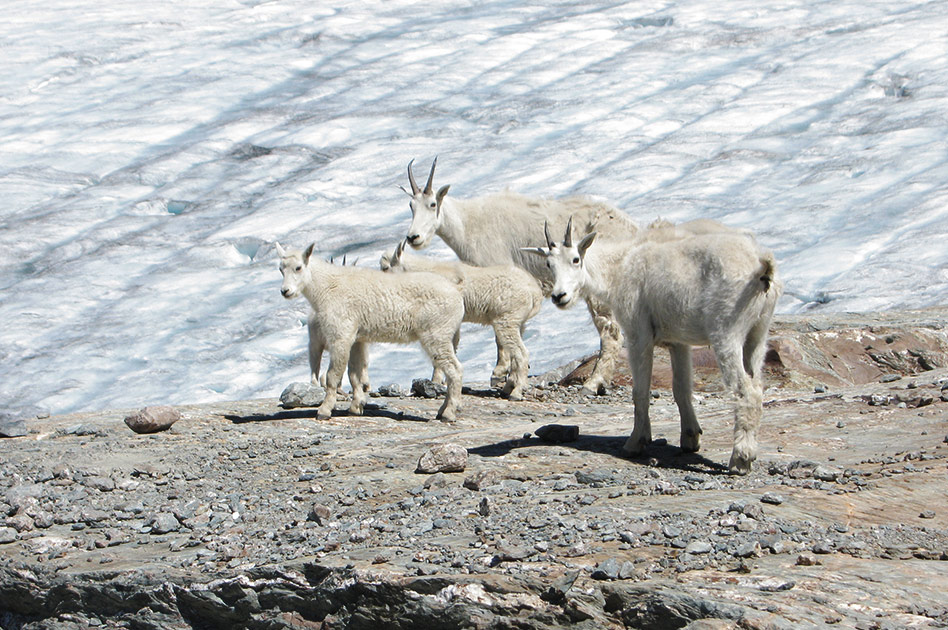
{"x": 393, "y": 262}
{"x": 567, "y": 262}
{"x": 425, "y": 207}
{"x": 293, "y": 265}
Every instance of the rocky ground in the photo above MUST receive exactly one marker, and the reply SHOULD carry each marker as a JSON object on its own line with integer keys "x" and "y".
{"x": 248, "y": 515}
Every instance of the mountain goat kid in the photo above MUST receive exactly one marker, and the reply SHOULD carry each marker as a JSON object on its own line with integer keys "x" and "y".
{"x": 317, "y": 345}
{"x": 501, "y": 296}
{"x": 356, "y": 306}
{"x": 679, "y": 291}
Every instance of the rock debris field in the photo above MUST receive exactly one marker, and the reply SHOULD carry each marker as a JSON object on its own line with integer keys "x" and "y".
{"x": 251, "y": 515}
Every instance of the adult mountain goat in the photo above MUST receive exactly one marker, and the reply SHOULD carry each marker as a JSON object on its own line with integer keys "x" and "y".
{"x": 501, "y": 296}
{"x": 356, "y": 306}
{"x": 492, "y": 230}
{"x": 680, "y": 290}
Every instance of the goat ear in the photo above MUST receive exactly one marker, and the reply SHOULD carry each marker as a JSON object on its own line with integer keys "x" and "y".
{"x": 539, "y": 251}
{"x": 308, "y": 253}
{"x": 280, "y": 251}
{"x": 441, "y": 193}
{"x": 585, "y": 243}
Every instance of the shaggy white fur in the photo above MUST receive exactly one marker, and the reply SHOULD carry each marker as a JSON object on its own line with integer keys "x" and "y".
{"x": 491, "y": 230}
{"x": 501, "y": 296}
{"x": 673, "y": 288}
{"x": 356, "y": 306}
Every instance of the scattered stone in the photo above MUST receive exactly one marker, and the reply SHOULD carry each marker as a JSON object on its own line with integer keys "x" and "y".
{"x": 392, "y": 390}
{"x": 484, "y": 507}
{"x": 426, "y": 388}
{"x": 482, "y": 479}
{"x": 7, "y": 535}
{"x": 606, "y": 570}
{"x": 808, "y": 560}
{"x": 748, "y": 549}
{"x": 164, "y": 523}
{"x": 823, "y": 547}
{"x": 772, "y": 498}
{"x": 775, "y": 585}
{"x": 11, "y": 427}
{"x": 698, "y": 547}
{"x": 13, "y": 424}
{"x": 100, "y": 483}
{"x": 443, "y": 458}
{"x": 558, "y": 433}
{"x": 889, "y": 378}
{"x": 302, "y": 395}
{"x": 927, "y": 514}
{"x": 153, "y": 419}
{"x": 627, "y": 571}
{"x": 595, "y": 478}
{"x": 84, "y": 430}
{"x": 318, "y": 514}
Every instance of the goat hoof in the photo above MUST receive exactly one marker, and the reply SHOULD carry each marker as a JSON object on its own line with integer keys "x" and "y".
{"x": 497, "y": 381}
{"x": 635, "y": 446}
{"x": 740, "y": 465}
{"x": 690, "y": 443}
{"x": 355, "y": 410}
{"x": 323, "y": 415}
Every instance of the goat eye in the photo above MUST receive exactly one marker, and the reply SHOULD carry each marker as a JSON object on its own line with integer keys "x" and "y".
{"x": 576, "y": 260}
{"x": 431, "y": 205}
{"x": 299, "y": 267}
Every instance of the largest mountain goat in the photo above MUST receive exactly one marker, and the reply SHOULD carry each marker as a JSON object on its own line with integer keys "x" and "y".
{"x": 491, "y": 230}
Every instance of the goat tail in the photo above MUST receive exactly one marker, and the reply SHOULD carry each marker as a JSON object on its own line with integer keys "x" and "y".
{"x": 768, "y": 271}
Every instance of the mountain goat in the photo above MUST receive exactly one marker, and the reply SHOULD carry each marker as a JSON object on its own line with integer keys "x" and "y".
{"x": 501, "y": 296}
{"x": 356, "y": 306}
{"x": 492, "y": 230}
{"x": 680, "y": 290}
{"x": 317, "y": 345}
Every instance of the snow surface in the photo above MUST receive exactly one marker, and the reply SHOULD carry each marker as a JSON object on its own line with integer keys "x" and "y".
{"x": 153, "y": 153}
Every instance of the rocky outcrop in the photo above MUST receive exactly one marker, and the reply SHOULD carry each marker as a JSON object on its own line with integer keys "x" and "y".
{"x": 250, "y": 515}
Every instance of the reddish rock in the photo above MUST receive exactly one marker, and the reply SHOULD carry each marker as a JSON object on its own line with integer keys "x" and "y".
{"x": 152, "y": 419}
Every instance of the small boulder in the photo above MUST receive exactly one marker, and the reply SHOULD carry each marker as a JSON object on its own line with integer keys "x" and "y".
{"x": 11, "y": 426}
{"x": 558, "y": 433}
{"x": 393, "y": 390}
{"x": 482, "y": 479}
{"x": 302, "y": 395}
{"x": 442, "y": 458}
{"x": 426, "y": 388}
{"x": 153, "y": 419}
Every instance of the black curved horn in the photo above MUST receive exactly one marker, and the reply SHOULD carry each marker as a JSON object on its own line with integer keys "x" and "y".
{"x": 431, "y": 176}
{"x": 411, "y": 180}
{"x": 546, "y": 232}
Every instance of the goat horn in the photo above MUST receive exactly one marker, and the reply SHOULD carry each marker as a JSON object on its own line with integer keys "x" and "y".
{"x": 568, "y": 240}
{"x": 546, "y": 232}
{"x": 431, "y": 177}
{"x": 411, "y": 180}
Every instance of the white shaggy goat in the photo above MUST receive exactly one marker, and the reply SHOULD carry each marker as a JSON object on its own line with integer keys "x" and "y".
{"x": 356, "y": 306}
{"x": 492, "y": 230}
{"x": 678, "y": 290}
{"x": 501, "y": 296}
{"x": 317, "y": 345}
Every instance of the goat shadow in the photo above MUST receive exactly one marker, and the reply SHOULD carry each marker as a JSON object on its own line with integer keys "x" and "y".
{"x": 310, "y": 413}
{"x": 658, "y": 454}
